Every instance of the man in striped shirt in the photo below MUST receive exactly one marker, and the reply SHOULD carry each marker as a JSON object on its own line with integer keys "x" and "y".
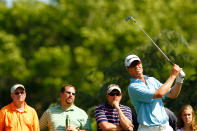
{"x": 112, "y": 115}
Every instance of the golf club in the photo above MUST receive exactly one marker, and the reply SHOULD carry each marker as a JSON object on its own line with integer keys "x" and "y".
{"x": 131, "y": 18}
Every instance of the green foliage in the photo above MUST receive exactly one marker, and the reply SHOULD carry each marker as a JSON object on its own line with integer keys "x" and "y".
{"x": 84, "y": 43}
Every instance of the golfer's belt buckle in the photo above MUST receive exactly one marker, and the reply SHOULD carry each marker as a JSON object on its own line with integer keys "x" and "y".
{"x": 162, "y": 127}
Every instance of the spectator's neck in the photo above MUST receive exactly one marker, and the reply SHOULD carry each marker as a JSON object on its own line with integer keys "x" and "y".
{"x": 19, "y": 104}
{"x": 66, "y": 106}
{"x": 187, "y": 127}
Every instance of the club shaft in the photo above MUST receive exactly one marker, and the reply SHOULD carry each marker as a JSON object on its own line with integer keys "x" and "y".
{"x": 153, "y": 42}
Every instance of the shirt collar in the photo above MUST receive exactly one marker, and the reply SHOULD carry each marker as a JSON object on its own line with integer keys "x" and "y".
{"x": 107, "y": 105}
{"x": 72, "y": 108}
{"x": 13, "y": 107}
{"x": 138, "y": 80}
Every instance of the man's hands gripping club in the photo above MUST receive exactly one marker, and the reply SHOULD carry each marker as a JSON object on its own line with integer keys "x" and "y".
{"x": 167, "y": 86}
{"x": 180, "y": 77}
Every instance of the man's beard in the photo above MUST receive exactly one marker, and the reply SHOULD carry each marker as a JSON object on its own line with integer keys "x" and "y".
{"x": 69, "y": 101}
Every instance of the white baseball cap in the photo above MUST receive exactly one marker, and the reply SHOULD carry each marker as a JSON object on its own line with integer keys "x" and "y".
{"x": 113, "y": 87}
{"x": 14, "y": 87}
{"x": 131, "y": 58}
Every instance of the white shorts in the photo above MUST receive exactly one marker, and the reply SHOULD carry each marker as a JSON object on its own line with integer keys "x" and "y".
{"x": 164, "y": 127}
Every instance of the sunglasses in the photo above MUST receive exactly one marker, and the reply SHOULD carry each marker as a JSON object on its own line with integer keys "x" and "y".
{"x": 116, "y": 93}
{"x": 17, "y": 93}
{"x": 68, "y": 92}
{"x": 134, "y": 63}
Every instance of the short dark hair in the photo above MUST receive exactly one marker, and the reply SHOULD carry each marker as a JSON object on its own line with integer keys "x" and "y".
{"x": 64, "y": 87}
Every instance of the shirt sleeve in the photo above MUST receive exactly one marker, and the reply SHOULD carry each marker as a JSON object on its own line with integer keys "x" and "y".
{"x": 44, "y": 120}
{"x": 2, "y": 123}
{"x": 100, "y": 115}
{"x": 141, "y": 94}
{"x": 85, "y": 121}
{"x": 86, "y": 124}
{"x": 158, "y": 85}
{"x": 128, "y": 113}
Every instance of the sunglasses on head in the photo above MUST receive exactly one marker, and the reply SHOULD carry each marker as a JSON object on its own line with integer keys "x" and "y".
{"x": 134, "y": 63}
{"x": 114, "y": 93}
{"x": 17, "y": 93}
{"x": 68, "y": 92}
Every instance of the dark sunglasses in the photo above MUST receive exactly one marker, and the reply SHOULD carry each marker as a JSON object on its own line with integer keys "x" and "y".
{"x": 116, "y": 93}
{"x": 68, "y": 92}
{"x": 134, "y": 63}
{"x": 17, "y": 93}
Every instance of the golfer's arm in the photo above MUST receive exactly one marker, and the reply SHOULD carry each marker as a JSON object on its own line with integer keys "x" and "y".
{"x": 124, "y": 121}
{"x": 106, "y": 126}
{"x": 175, "y": 90}
{"x": 159, "y": 93}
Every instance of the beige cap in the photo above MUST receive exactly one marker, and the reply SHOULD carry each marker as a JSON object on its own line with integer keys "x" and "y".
{"x": 14, "y": 87}
{"x": 112, "y": 87}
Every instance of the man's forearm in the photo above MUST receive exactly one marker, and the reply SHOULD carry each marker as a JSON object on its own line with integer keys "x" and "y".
{"x": 159, "y": 93}
{"x": 124, "y": 121}
{"x": 175, "y": 90}
{"x": 106, "y": 126}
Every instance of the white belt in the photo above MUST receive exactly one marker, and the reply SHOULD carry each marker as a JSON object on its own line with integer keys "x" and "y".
{"x": 161, "y": 127}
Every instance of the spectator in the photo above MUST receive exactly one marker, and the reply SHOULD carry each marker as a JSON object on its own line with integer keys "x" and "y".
{"x": 134, "y": 119}
{"x": 112, "y": 115}
{"x": 18, "y": 116}
{"x": 186, "y": 119}
{"x": 172, "y": 118}
{"x": 54, "y": 117}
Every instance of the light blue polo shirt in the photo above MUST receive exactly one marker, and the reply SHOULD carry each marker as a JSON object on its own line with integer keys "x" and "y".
{"x": 150, "y": 112}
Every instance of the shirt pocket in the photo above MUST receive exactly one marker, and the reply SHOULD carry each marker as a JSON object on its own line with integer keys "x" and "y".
{"x": 76, "y": 123}
{"x": 27, "y": 120}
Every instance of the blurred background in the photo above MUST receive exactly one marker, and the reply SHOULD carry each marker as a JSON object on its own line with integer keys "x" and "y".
{"x": 45, "y": 44}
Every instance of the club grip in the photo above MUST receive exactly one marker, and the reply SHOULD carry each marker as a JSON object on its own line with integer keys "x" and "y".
{"x": 182, "y": 73}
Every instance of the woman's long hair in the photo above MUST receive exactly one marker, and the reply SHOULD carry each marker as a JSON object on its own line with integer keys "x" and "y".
{"x": 180, "y": 123}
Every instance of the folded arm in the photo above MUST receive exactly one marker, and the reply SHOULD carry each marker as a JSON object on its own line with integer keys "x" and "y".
{"x": 124, "y": 121}
{"x": 106, "y": 126}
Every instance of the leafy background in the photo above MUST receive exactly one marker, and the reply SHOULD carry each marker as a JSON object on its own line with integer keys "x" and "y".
{"x": 46, "y": 45}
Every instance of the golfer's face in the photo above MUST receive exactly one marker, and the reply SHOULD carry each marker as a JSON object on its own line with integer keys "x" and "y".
{"x": 69, "y": 95}
{"x": 136, "y": 69}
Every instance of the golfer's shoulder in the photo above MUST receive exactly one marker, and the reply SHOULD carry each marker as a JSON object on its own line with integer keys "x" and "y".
{"x": 151, "y": 78}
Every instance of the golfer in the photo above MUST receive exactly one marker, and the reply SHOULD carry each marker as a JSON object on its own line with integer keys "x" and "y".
{"x": 147, "y": 93}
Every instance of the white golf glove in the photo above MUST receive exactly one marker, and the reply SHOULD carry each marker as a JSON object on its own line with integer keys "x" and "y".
{"x": 180, "y": 77}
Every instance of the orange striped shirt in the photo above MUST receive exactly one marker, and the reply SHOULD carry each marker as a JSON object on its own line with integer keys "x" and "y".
{"x": 13, "y": 120}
